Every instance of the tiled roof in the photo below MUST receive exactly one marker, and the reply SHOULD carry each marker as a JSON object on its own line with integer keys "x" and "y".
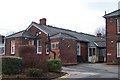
{"x": 69, "y": 34}
{"x": 62, "y": 36}
{"x": 55, "y": 32}
{"x": 112, "y": 14}
{"x": 20, "y": 34}
{"x": 100, "y": 43}
{"x": 1, "y": 35}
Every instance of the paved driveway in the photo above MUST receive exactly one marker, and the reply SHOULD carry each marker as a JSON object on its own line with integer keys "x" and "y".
{"x": 89, "y": 70}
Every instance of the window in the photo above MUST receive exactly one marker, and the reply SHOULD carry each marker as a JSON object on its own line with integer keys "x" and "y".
{"x": 92, "y": 51}
{"x": 55, "y": 45}
{"x": 12, "y": 46}
{"x": 3, "y": 50}
{"x": 32, "y": 42}
{"x": 118, "y": 25}
{"x": 39, "y": 47}
{"x": 118, "y": 49}
{"x": 78, "y": 49}
{"x": 47, "y": 49}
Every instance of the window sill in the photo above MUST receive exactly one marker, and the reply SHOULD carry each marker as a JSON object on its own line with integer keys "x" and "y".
{"x": 118, "y": 56}
{"x": 118, "y": 32}
{"x": 12, "y": 54}
{"x": 39, "y": 53}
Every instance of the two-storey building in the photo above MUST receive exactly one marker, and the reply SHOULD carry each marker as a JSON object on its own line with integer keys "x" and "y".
{"x": 113, "y": 36}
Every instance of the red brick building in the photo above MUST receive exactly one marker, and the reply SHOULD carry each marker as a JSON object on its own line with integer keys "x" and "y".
{"x": 113, "y": 36}
{"x": 70, "y": 46}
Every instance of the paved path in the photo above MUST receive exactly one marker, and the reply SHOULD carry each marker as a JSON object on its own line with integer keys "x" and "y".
{"x": 89, "y": 70}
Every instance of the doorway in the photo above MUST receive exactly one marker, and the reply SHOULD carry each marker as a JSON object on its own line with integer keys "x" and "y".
{"x": 92, "y": 54}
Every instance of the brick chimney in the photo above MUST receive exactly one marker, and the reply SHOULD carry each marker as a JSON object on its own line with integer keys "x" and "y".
{"x": 99, "y": 35}
{"x": 43, "y": 21}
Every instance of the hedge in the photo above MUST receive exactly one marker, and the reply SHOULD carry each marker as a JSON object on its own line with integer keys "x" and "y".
{"x": 54, "y": 65}
{"x": 11, "y": 65}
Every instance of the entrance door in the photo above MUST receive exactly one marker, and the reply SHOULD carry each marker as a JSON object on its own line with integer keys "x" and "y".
{"x": 79, "y": 58}
{"x": 92, "y": 54}
{"x": 78, "y": 49}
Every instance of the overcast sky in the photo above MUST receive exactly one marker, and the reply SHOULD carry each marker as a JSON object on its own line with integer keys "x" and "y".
{"x": 77, "y": 15}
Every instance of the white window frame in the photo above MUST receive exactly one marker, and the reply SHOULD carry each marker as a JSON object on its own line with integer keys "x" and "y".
{"x": 56, "y": 45}
{"x": 118, "y": 25}
{"x": 38, "y": 47}
{"x": 118, "y": 49}
{"x": 32, "y": 42}
{"x": 47, "y": 52}
{"x": 3, "y": 48}
{"x": 91, "y": 51}
{"x": 12, "y": 46}
{"x": 78, "y": 49}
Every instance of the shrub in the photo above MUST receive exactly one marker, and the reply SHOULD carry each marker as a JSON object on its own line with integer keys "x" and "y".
{"x": 34, "y": 72}
{"x": 27, "y": 53}
{"x": 54, "y": 65}
{"x": 11, "y": 65}
{"x": 42, "y": 65}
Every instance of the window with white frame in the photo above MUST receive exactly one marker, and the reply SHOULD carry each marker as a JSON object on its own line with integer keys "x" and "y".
{"x": 39, "y": 47}
{"x": 118, "y": 49}
{"x": 2, "y": 48}
{"x": 2, "y": 45}
{"x": 118, "y": 25}
{"x": 12, "y": 46}
{"x": 92, "y": 51}
{"x": 47, "y": 49}
{"x": 78, "y": 49}
{"x": 55, "y": 45}
{"x": 32, "y": 42}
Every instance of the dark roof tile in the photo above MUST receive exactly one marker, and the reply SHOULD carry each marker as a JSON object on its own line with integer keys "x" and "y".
{"x": 112, "y": 14}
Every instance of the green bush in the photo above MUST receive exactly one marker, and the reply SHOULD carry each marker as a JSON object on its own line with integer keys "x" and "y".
{"x": 11, "y": 65}
{"x": 34, "y": 72}
{"x": 54, "y": 65}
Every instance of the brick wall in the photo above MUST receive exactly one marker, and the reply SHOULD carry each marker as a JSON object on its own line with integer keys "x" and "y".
{"x": 25, "y": 41}
{"x": 68, "y": 51}
{"x": 111, "y": 40}
{"x": 84, "y": 51}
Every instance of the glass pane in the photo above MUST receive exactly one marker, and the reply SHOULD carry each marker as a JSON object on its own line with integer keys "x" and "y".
{"x": 118, "y": 49}
{"x": 39, "y": 43}
{"x": 118, "y": 24}
{"x": 2, "y": 50}
{"x": 90, "y": 52}
{"x": 93, "y": 51}
{"x": 39, "y": 49}
{"x": 57, "y": 46}
{"x": 53, "y": 46}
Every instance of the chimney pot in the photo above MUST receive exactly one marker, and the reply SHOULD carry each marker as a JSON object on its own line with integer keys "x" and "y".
{"x": 99, "y": 35}
{"x": 43, "y": 21}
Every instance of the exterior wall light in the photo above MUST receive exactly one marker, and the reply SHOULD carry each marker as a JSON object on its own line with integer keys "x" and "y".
{"x": 112, "y": 41}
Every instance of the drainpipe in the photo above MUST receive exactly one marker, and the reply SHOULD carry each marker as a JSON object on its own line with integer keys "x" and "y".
{"x": 50, "y": 48}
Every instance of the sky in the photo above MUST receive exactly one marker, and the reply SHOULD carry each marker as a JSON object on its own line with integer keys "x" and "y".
{"x": 77, "y": 15}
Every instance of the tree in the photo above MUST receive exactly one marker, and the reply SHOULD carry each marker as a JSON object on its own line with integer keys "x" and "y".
{"x": 101, "y": 30}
